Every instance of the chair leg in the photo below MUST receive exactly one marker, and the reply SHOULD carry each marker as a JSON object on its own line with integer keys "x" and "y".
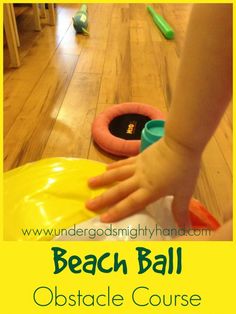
{"x": 43, "y": 10}
{"x": 37, "y": 24}
{"x": 14, "y": 24}
{"x": 10, "y": 37}
{"x": 51, "y": 11}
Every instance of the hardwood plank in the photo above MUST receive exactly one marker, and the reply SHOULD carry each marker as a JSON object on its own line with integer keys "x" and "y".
{"x": 91, "y": 61}
{"x": 167, "y": 66}
{"x": 145, "y": 60}
{"x": 16, "y": 93}
{"x": 71, "y": 43}
{"x": 28, "y": 135}
{"x": 99, "y": 19}
{"x": 115, "y": 84}
{"x": 146, "y": 80}
{"x": 115, "y": 80}
{"x": 94, "y": 47}
{"x": 93, "y": 56}
{"x": 37, "y": 50}
{"x": 71, "y": 134}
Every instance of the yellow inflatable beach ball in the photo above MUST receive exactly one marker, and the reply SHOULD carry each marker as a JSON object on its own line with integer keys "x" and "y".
{"x": 46, "y": 195}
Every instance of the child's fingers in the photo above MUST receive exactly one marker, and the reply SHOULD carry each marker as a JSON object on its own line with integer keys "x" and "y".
{"x": 111, "y": 176}
{"x": 133, "y": 203}
{"x": 113, "y": 195}
{"x": 120, "y": 163}
{"x": 180, "y": 210}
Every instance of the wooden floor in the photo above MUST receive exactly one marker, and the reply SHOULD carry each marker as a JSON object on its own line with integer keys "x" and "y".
{"x": 65, "y": 80}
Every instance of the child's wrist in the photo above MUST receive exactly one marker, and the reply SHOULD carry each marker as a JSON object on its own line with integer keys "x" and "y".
{"x": 182, "y": 148}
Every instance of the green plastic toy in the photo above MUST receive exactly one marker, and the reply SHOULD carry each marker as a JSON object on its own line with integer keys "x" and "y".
{"x": 152, "y": 132}
{"x": 80, "y": 20}
{"x": 161, "y": 23}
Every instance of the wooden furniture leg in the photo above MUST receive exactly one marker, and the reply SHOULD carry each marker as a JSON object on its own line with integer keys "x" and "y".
{"x": 51, "y": 12}
{"x": 14, "y": 24}
{"x": 11, "y": 36}
{"x": 37, "y": 23}
{"x": 43, "y": 10}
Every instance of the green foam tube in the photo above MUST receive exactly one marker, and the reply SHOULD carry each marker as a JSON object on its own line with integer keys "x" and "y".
{"x": 161, "y": 23}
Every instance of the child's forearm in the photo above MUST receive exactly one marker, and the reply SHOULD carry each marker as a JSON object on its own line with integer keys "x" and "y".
{"x": 204, "y": 83}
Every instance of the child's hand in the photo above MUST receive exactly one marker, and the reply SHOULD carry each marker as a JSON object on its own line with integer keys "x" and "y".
{"x": 165, "y": 168}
